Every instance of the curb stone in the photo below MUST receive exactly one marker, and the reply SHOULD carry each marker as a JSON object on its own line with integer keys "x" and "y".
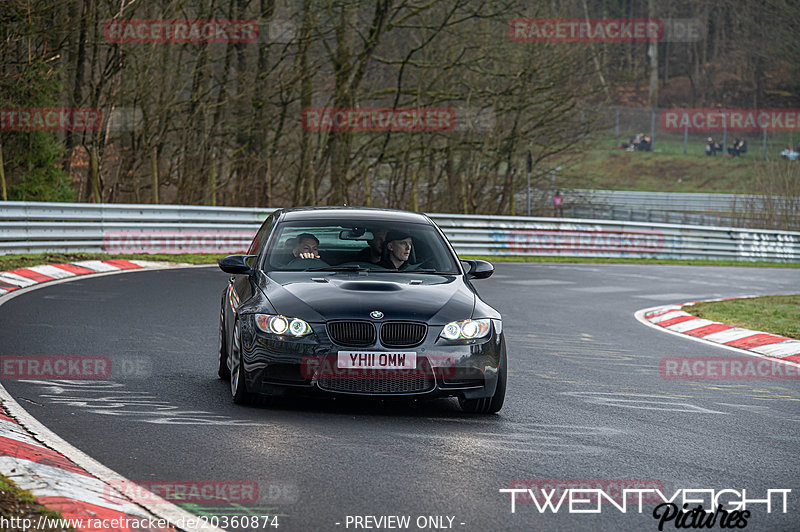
{"x": 673, "y": 318}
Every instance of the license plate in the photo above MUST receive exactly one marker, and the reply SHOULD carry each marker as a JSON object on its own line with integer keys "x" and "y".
{"x": 377, "y": 360}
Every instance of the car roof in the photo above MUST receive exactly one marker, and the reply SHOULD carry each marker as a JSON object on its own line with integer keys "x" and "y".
{"x": 350, "y": 213}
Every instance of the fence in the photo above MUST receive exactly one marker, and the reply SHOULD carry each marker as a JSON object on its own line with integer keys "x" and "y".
{"x": 731, "y": 210}
{"x": 625, "y": 122}
{"x": 722, "y": 210}
{"x": 72, "y": 228}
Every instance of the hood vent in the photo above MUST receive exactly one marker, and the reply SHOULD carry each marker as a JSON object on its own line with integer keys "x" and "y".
{"x": 370, "y": 286}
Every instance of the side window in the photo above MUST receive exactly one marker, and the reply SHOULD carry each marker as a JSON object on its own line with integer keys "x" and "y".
{"x": 261, "y": 235}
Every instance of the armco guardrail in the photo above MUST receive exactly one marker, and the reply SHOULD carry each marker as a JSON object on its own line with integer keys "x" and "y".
{"x": 27, "y": 227}
{"x": 674, "y": 201}
{"x": 512, "y": 235}
{"x": 69, "y": 227}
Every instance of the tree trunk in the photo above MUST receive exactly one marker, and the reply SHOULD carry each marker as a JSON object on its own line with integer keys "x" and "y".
{"x": 94, "y": 175}
{"x": 652, "y": 52}
{"x": 2, "y": 174}
{"x": 154, "y": 174}
{"x": 77, "y": 86}
{"x": 414, "y": 191}
{"x": 305, "y": 182}
{"x": 212, "y": 182}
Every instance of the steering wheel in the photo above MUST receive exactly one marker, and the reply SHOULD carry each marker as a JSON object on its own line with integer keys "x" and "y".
{"x": 421, "y": 264}
{"x": 297, "y": 262}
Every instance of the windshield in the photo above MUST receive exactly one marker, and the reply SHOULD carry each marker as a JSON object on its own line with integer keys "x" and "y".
{"x": 358, "y": 246}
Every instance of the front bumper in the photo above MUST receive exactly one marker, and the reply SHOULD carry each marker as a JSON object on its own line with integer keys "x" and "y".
{"x": 277, "y": 366}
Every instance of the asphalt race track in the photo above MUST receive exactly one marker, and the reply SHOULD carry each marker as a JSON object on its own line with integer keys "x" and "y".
{"x": 586, "y": 402}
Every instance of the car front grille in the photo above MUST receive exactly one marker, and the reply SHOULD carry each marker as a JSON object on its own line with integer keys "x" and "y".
{"x": 402, "y": 333}
{"x": 372, "y": 381}
{"x": 352, "y": 333}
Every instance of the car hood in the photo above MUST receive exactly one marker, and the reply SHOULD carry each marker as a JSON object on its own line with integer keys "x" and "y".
{"x": 322, "y": 296}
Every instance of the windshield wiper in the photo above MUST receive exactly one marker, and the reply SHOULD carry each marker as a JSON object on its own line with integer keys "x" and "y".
{"x": 344, "y": 268}
{"x": 418, "y": 270}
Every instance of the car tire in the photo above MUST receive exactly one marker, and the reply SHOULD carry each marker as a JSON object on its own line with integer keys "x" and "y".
{"x": 239, "y": 391}
{"x": 493, "y": 404}
{"x": 223, "y": 371}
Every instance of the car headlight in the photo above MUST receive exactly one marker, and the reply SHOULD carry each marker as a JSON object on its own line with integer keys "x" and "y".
{"x": 276, "y": 324}
{"x": 466, "y": 330}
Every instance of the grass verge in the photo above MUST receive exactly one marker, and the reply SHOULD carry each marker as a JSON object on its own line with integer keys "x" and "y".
{"x": 772, "y": 314}
{"x": 18, "y": 506}
{"x": 10, "y": 262}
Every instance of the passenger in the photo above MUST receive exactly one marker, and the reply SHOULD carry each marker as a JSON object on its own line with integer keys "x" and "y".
{"x": 374, "y": 250}
{"x": 307, "y": 247}
{"x": 398, "y": 250}
{"x": 285, "y": 254}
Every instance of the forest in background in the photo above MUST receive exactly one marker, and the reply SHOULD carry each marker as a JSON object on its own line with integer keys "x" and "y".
{"x": 220, "y": 123}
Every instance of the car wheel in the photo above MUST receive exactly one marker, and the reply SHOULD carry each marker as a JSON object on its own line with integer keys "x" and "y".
{"x": 493, "y": 404}
{"x": 223, "y": 371}
{"x": 238, "y": 385}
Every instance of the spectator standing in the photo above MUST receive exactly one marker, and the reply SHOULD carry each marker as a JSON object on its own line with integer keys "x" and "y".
{"x": 558, "y": 199}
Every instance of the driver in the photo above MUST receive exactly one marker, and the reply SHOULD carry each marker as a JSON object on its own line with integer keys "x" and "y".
{"x": 398, "y": 248}
{"x": 307, "y": 246}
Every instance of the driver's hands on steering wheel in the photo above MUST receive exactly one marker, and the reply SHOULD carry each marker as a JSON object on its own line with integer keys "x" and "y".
{"x": 308, "y": 255}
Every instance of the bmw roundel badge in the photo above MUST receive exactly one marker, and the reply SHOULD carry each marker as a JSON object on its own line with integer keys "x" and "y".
{"x": 376, "y": 314}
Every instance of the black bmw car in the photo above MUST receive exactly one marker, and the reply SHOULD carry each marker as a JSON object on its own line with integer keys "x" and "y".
{"x": 359, "y": 301}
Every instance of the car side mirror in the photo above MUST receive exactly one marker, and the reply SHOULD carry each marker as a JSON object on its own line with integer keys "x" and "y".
{"x": 479, "y": 269}
{"x": 236, "y": 264}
